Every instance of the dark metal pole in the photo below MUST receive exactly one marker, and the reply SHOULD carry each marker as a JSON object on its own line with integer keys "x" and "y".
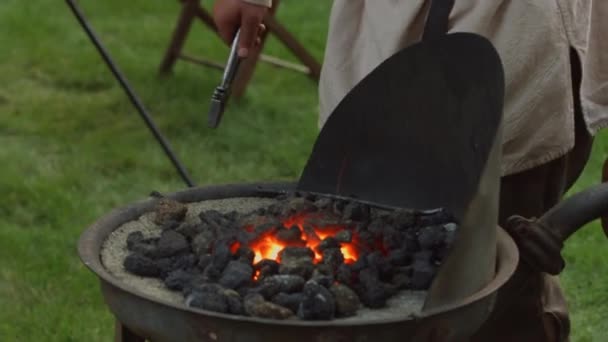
{"x": 131, "y": 94}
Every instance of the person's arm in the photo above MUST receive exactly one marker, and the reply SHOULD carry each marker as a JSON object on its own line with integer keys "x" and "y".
{"x": 230, "y": 15}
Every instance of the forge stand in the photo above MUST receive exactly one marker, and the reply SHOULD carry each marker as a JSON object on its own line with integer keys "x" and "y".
{"x": 192, "y": 9}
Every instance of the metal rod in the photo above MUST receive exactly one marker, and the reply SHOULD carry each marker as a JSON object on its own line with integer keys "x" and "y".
{"x": 131, "y": 94}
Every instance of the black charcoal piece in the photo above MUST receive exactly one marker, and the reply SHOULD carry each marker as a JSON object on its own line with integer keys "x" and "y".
{"x": 256, "y": 306}
{"x": 170, "y": 224}
{"x": 431, "y": 236}
{"x": 245, "y": 254}
{"x": 267, "y": 227}
{"x": 376, "y": 228}
{"x": 323, "y": 203}
{"x": 289, "y": 300}
{"x": 141, "y": 265}
{"x": 133, "y": 239}
{"x": 372, "y": 292}
{"x": 302, "y": 268}
{"x": 165, "y": 265}
{"x": 423, "y": 273}
{"x": 402, "y": 219}
{"x": 289, "y": 235}
{"x": 333, "y": 257}
{"x": 354, "y": 211}
{"x": 328, "y": 242}
{"x": 236, "y": 274}
{"x": 208, "y": 301}
{"x": 171, "y": 243}
{"x": 338, "y": 207}
{"x": 400, "y": 257}
{"x": 392, "y": 239}
{"x": 296, "y": 261}
{"x": 267, "y": 268}
{"x": 221, "y": 256}
{"x": 234, "y": 302}
{"x": 321, "y": 278}
{"x": 377, "y": 261}
{"x": 344, "y": 274}
{"x": 344, "y": 236}
{"x": 191, "y": 230}
{"x": 402, "y": 280}
{"x": 204, "y": 261}
{"x": 299, "y": 205}
{"x": 202, "y": 243}
{"x": 211, "y": 273}
{"x": 167, "y": 209}
{"x": 311, "y": 235}
{"x": 318, "y": 303}
{"x": 450, "y": 233}
{"x": 178, "y": 280}
{"x": 184, "y": 261}
{"x": 273, "y": 285}
{"x": 360, "y": 264}
{"x": 211, "y": 217}
{"x": 347, "y": 301}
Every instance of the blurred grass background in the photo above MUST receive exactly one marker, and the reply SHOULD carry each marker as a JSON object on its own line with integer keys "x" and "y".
{"x": 72, "y": 148}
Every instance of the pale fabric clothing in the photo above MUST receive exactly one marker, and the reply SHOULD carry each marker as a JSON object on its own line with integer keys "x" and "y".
{"x": 532, "y": 37}
{"x": 267, "y": 3}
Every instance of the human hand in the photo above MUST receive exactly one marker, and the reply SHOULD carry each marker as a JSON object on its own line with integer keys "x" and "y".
{"x": 230, "y": 15}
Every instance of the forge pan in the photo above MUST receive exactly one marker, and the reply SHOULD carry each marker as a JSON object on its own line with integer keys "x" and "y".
{"x": 157, "y": 320}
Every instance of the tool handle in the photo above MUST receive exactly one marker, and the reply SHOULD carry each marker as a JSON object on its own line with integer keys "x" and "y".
{"x": 232, "y": 64}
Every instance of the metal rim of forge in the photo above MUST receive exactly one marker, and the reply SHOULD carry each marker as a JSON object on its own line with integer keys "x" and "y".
{"x": 93, "y": 238}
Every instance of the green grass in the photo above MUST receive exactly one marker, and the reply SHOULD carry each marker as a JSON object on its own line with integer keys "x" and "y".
{"x": 72, "y": 148}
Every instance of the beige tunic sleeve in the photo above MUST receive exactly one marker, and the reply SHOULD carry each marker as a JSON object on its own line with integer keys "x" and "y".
{"x": 533, "y": 39}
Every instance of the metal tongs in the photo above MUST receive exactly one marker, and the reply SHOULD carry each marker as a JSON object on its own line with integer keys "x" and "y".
{"x": 222, "y": 92}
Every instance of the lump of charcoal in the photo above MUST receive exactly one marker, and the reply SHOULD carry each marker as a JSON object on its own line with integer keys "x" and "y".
{"x": 221, "y": 256}
{"x": 141, "y": 265}
{"x": 273, "y": 285}
{"x": 191, "y": 230}
{"x": 403, "y": 218}
{"x": 402, "y": 279}
{"x": 376, "y": 227}
{"x": 323, "y": 203}
{"x": 344, "y": 274}
{"x": 165, "y": 265}
{"x": 372, "y": 292}
{"x": 333, "y": 257}
{"x": 377, "y": 261}
{"x": 289, "y": 235}
{"x": 299, "y": 205}
{"x": 267, "y": 268}
{"x": 145, "y": 247}
{"x": 235, "y": 303}
{"x": 438, "y": 218}
{"x": 256, "y": 306}
{"x": 423, "y": 272}
{"x": 338, "y": 206}
{"x": 344, "y": 236}
{"x": 400, "y": 257}
{"x": 168, "y": 209}
{"x": 171, "y": 243}
{"x": 236, "y": 274}
{"x": 204, "y": 261}
{"x": 133, "y": 239}
{"x": 311, "y": 235}
{"x": 178, "y": 280}
{"x": 208, "y": 301}
{"x": 450, "y": 233}
{"x": 202, "y": 243}
{"x": 170, "y": 224}
{"x": 322, "y": 278}
{"x": 328, "y": 242}
{"x": 431, "y": 236}
{"x": 360, "y": 264}
{"x": 184, "y": 261}
{"x": 212, "y": 217}
{"x": 392, "y": 239}
{"x": 354, "y": 211}
{"x": 296, "y": 261}
{"x": 211, "y": 273}
{"x": 267, "y": 227}
{"x": 318, "y": 303}
{"x": 347, "y": 301}
{"x": 245, "y": 254}
{"x": 289, "y": 300}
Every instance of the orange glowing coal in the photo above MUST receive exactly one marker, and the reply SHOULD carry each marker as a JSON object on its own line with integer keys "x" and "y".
{"x": 269, "y": 246}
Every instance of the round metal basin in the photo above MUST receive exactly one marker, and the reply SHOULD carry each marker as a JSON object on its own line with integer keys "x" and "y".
{"x": 157, "y": 320}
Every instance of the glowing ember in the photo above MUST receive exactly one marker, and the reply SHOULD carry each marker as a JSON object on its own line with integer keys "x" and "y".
{"x": 269, "y": 246}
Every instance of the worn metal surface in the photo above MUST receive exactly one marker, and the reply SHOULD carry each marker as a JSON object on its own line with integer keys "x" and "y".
{"x": 166, "y": 321}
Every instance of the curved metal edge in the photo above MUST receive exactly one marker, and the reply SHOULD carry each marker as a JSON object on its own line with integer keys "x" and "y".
{"x": 92, "y": 239}
{"x": 507, "y": 259}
